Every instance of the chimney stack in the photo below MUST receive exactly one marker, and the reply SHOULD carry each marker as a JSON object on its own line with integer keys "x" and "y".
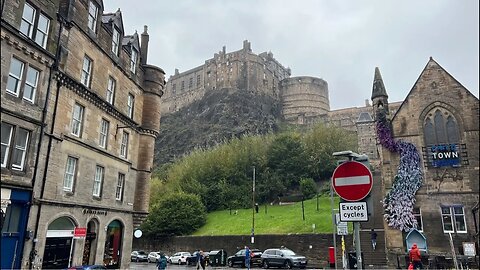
{"x": 144, "y": 45}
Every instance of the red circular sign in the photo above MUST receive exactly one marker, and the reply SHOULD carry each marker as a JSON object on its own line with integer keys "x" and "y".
{"x": 352, "y": 181}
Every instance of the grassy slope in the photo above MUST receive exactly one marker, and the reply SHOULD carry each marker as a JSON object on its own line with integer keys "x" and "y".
{"x": 279, "y": 219}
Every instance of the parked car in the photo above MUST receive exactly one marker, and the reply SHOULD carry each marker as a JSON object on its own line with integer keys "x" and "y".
{"x": 154, "y": 256}
{"x": 282, "y": 257}
{"x": 239, "y": 258}
{"x": 87, "y": 267}
{"x": 179, "y": 258}
{"x": 192, "y": 259}
{"x": 138, "y": 256}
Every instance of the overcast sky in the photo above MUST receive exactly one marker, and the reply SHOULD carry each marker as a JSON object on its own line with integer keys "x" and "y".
{"x": 339, "y": 41}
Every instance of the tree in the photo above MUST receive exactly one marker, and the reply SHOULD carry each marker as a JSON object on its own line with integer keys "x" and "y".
{"x": 308, "y": 187}
{"x": 176, "y": 214}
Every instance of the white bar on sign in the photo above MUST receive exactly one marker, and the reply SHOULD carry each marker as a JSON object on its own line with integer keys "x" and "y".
{"x": 352, "y": 180}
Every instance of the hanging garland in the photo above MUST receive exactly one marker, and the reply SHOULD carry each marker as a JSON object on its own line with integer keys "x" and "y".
{"x": 399, "y": 202}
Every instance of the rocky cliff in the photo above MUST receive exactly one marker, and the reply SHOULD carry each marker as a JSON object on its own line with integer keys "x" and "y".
{"x": 219, "y": 116}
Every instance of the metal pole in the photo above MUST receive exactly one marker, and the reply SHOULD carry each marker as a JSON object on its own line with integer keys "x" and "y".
{"x": 253, "y": 207}
{"x": 334, "y": 226}
{"x": 356, "y": 231}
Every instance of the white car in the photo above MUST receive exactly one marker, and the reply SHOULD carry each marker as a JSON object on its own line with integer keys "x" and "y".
{"x": 179, "y": 258}
{"x": 154, "y": 256}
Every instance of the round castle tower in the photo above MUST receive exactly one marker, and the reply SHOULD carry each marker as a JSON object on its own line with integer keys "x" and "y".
{"x": 304, "y": 99}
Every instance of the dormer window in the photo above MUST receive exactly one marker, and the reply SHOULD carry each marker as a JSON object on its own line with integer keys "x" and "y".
{"x": 115, "y": 41}
{"x": 92, "y": 16}
{"x": 133, "y": 60}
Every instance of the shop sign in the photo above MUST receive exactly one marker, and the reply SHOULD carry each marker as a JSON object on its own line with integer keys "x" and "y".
{"x": 94, "y": 212}
{"x": 79, "y": 232}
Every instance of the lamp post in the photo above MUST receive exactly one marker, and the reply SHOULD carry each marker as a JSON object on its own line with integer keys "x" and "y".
{"x": 253, "y": 208}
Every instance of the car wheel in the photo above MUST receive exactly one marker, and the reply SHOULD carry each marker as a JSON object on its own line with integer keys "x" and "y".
{"x": 230, "y": 263}
{"x": 179, "y": 262}
{"x": 265, "y": 264}
{"x": 288, "y": 264}
{"x": 136, "y": 259}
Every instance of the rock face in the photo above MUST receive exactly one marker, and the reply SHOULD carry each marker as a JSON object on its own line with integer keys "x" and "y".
{"x": 219, "y": 116}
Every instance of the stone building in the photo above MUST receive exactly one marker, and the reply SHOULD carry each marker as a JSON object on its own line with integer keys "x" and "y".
{"x": 440, "y": 117}
{"x": 92, "y": 124}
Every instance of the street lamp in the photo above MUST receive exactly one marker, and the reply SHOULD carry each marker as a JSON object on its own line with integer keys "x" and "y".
{"x": 253, "y": 208}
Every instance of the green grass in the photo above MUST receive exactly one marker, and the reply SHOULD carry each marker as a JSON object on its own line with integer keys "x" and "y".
{"x": 279, "y": 219}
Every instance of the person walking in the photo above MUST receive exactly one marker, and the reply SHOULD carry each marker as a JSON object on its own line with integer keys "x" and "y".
{"x": 415, "y": 257}
{"x": 373, "y": 236}
{"x": 247, "y": 257}
{"x": 162, "y": 262}
{"x": 202, "y": 260}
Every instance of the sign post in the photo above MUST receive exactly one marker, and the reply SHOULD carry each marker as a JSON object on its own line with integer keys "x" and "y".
{"x": 353, "y": 181}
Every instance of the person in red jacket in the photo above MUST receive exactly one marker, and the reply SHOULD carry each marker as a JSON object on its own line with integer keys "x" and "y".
{"x": 415, "y": 257}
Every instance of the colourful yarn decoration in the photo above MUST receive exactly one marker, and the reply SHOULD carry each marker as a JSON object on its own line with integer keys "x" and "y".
{"x": 398, "y": 203}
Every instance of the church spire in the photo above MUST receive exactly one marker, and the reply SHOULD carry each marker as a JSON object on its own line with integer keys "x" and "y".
{"x": 378, "y": 86}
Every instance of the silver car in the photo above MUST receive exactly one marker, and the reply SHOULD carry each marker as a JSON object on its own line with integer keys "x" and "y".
{"x": 179, "y": 258}
{"x": 138, "y": 256}
{"x": 154, "y": 256}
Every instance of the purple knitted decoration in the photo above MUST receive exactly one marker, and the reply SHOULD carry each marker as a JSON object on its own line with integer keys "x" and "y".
{"x": 399, "y": 202}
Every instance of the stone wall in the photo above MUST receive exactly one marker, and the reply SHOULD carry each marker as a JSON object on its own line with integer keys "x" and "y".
{"x": 313, "y": 246}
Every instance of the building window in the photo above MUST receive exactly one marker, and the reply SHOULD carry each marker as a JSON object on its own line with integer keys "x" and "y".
{"x": 14, "y": 143}
{"x": 70, "y": 172}
{"x": 115, "y": 40}
{"x": 104, "y": 126}
{"x": 120, "y": 185}
{"x": 182, "y": 87}
{"x": 198, "y": 80}
{"x": 453, "y": 219}
{"x": 133, "y": 60}
{"x": 77, "y": 119}
{"x": 130, "y": 105}
{"x": 98, "y": 181}
{"x": 86, "y": 71}
{"x": 440, "y": 127}
{"x": 417, "y": 213}
{"x": 111, "y": 89}
{"x": 190, "y": 83}
{"x": 21, "y": 81}
{"x": 35, "y": 25}
{"x": 92, "y": 16}
{"x": 124, "y": 145}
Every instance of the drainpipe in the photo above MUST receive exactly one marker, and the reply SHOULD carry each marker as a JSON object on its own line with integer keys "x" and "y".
{"x": 53, "y": 68}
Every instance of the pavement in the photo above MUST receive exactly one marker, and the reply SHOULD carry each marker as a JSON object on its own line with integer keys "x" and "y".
{"x": 152, "y": 266}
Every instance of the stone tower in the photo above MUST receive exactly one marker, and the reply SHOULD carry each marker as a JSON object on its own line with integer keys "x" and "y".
{"x": 379, "y": 93}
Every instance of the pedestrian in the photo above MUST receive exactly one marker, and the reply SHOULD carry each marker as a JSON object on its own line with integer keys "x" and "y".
{"x": 247, "y": 257}
{"x": 162, "y": 262}
{"x": 373, "y": 236}
{"x": 202, "y": 260}
{"x": 415, "y": 257}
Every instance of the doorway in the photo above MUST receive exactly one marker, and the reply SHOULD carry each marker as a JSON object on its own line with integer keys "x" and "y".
{"x": 59, "y": 244}
{"x": 90, "y": 247}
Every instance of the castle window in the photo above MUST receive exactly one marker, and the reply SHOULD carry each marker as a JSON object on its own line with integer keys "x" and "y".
{"x": 182, "y": 87}
{"x": 174, "y": 88}
{"x": 86, "y": 71}
{"x": 23, "y": 82}
{"x": 130, "y": 105}
{"x": 115, "y": 40}
{"x": 133, "y": 60}
{"x": 453, "y": 219}
{"x": 111, "y": 90}
{"x": 440, "y": 127}
{"x": 124, "y": 145}
{"x": 98, "y": 181}
{"x": 92, "y": 16}
{"x": 14, "y": 146}
{"x": 198, "y": 80}
{"x": 190, "y": 83}
{"x": 103, "y": 139}
{"x": 70, "y": 173}
{"x": 77, "y": 120}
{"x": 35, "y": 25}
{"x": 120, "y": 185}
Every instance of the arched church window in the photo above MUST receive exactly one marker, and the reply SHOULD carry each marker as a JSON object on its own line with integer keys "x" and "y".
{"x": 440, "y": 127}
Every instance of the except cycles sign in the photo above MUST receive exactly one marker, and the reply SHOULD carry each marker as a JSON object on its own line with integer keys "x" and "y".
{"x": 352, "y": 181}
{"x": 353, "y": 211}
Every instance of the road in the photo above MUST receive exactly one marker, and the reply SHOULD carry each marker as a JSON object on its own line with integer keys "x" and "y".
{"x": 151, "y": 266}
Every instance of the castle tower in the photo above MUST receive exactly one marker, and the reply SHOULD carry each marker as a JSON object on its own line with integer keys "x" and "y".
{"x": 379, "y": 93}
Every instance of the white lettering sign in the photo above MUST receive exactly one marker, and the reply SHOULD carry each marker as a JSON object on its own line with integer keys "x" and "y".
{"x": 353, "y": 211}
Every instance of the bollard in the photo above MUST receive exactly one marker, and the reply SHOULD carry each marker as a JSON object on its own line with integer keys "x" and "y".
{"x": 331, "y": 257}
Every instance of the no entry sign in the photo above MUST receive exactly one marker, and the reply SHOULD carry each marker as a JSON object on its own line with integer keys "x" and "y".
{"x": 352, "y": 181}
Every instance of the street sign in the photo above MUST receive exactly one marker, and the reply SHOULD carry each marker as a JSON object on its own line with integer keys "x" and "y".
{"x": 352, "y": 181}
{"x": 342, "y": 227}
{"x": 353, "y": 211}
{"x": 79, "y": 232}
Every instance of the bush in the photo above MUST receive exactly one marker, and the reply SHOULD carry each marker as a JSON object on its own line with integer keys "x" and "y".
{"x": 176, "y": 214}
{"x": 308, "y": 188}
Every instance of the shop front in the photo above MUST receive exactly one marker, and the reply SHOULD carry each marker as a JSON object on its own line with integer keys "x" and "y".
{"x": 113, "y": 245}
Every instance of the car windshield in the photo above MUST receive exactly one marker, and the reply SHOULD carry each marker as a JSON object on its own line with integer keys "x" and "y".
{"x": 142, "y": 253}
{"x": 288, "y": 252}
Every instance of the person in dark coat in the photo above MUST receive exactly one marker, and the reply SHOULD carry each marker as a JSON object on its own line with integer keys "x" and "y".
{"x": 373, "y": 236}
{"x": 162, "y": 262}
